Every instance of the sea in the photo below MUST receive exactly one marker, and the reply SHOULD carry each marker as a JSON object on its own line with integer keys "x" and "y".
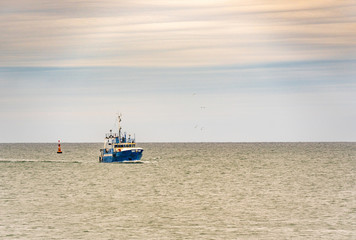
{"x": 180, "y": 191}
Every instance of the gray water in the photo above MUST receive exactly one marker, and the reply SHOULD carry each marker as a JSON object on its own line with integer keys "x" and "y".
{"x": 181, "y": 191}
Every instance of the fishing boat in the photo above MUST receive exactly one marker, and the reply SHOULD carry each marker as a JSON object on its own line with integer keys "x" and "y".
{"x": 120, "y": 148}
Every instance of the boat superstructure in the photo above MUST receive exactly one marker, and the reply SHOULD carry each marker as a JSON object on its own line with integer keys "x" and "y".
{"x": 120, "y": 147}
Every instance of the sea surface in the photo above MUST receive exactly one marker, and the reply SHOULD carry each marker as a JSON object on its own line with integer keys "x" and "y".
{"x": 180, "y": 191}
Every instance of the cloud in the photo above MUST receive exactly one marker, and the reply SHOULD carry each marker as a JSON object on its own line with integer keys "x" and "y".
{"x": 174, "y": 33}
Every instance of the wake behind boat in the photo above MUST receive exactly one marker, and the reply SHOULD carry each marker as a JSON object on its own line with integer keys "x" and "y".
{"x": 120, "y": 148}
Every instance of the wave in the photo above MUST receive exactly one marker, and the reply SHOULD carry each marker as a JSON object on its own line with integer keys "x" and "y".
{"x": 35, "y": 161}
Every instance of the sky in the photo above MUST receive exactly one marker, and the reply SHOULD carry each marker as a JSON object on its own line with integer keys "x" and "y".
{"x": 178, "y": 70}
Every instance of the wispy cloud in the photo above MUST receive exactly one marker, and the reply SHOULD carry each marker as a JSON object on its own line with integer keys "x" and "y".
{"x": 178, "y": 33}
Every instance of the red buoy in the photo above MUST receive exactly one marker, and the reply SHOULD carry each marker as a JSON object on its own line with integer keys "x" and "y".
{"x": 59, "y": 147}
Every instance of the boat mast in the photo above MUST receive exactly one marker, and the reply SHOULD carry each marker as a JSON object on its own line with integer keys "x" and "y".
{"x": 118, "y": 122}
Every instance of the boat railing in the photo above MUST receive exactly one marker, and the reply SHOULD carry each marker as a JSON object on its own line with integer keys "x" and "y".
{"x": 111, "y": 135}
{"x": 123, "y": 139}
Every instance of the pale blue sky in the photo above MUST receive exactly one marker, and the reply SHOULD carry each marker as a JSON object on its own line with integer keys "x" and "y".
{"x": 178, "y": 70}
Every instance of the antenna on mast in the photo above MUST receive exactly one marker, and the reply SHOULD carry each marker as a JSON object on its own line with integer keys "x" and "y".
{"x": 118, "y": 123}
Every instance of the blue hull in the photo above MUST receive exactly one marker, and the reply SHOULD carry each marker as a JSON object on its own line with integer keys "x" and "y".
{"x": 121, "y": 157}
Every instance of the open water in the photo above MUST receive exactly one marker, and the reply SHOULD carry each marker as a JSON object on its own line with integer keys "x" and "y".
{"x": 181, "y": 191}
